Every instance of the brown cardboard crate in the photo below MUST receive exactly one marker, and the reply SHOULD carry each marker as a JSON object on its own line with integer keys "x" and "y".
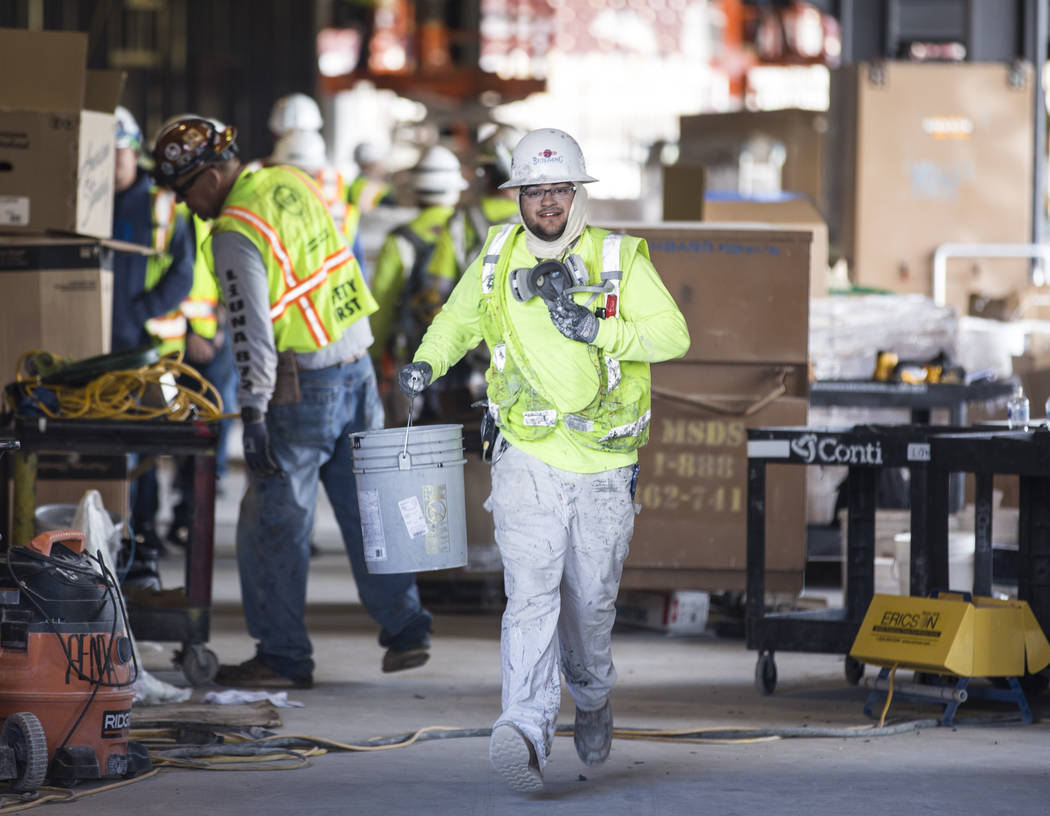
{"x": 63, "y": 288}
{"x": 796, "y": 211}
{"x": 57, "y": 135}
{"x": 711, "y": 139}
{"x": 933, "y": 153}
{"x": 693, "y": 489}
{"x": 744, "y": 290}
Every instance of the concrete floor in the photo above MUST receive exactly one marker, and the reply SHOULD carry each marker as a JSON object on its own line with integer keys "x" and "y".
{"x": 665, "y": 683}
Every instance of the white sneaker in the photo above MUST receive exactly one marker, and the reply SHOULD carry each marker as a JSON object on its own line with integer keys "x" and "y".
{"x": 513, "y": 755}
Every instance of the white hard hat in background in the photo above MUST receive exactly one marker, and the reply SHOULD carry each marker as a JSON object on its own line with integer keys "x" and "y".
{"x": 368, "y": 153}
{"x": 546, "y": 156}
{"x": 496, "y": 143}
{"x": 295, "y": 112}
{"x": 128, "y": 133}
{"x": 303, "y": 148}
{"x": 438, "y": 177}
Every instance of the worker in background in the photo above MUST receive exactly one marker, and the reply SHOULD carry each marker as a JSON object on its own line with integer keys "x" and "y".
{"x": 305, "y": 383}
{"x": 418, "y": 265}
{"x": 370, "y": 188}
{"x": 495, "y": 204}
{"x": 147, "y": 290}
{"x": 296, "y": 111}
{"x": 573, "y": 316}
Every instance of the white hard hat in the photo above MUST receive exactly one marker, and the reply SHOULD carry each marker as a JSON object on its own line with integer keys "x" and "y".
{"x": 438, "y": 177}
{"x": 295, "y": 112}
{"x": 546, "y": 156}
{"x": 303, "y": 148}
{"x": 128, "y": 133}
{"x": 367, "y": 153}
{"x": 497, "y": 145}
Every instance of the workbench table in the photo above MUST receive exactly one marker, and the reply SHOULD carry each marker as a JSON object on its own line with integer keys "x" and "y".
{"x": 184, "y": 616}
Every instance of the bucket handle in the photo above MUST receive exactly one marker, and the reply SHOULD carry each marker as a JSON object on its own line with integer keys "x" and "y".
{"x": 404, "y": 459}
{"x": 73, "y": 539}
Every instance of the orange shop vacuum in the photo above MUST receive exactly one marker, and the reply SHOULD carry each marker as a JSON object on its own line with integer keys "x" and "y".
{"x": 66, "y": 667}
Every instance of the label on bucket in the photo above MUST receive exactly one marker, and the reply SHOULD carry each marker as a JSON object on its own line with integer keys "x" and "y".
{"x": 436, "y": 499}
{"x": 412, "y": 515}
{"x": 372, "y": 525}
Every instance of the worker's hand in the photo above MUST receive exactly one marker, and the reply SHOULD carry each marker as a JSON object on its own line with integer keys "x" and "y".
{"x": 257, "y": 451}
{"x": 573, "y": 320}
{"x": 414, "y": 378}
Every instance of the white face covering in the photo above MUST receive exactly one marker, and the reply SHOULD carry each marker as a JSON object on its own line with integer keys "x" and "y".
{"x": 573, "y": 229}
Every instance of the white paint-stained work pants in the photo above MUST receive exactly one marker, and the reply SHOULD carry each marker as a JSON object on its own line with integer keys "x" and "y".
{"x": 563, "y": 538}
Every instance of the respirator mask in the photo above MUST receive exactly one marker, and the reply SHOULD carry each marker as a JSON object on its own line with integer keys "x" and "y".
{"x": 551, "y": 279}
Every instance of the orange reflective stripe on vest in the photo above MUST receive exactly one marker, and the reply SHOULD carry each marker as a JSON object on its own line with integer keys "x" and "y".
{"x": 297, "y": 291}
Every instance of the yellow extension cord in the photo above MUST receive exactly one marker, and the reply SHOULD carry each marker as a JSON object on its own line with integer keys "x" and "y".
{"x": 130, "y": 394}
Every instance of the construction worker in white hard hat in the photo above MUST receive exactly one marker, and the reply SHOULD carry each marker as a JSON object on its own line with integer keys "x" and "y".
{"x": 370, "y": 188}
{"x": 573, "y": 317}
{"x": 147, "y": 289}
{"x": 410, "y": 286}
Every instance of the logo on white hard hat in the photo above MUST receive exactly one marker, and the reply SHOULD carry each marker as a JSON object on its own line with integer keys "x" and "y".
{"x": 548, "y": 156}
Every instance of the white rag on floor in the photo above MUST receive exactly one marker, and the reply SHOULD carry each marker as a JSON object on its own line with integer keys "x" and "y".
{"x": 238, "y": 696}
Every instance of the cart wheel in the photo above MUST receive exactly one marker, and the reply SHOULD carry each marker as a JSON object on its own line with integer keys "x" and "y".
{"x": 854, "y": 671}
{"x": 24, "y": 735}
{"x": 765, "y": 673}
{"x": 199, "y": 663}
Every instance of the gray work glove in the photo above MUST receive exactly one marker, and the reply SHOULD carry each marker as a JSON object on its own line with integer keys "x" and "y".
{"x": 414, "y": 378}
{"x": 257, "y": 453}
{"x": 573, "y": 320}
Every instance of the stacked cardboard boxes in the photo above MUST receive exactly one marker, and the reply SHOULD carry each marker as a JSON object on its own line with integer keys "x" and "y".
{"x": 56, "y": 210}
{"x": 744, "y": 291}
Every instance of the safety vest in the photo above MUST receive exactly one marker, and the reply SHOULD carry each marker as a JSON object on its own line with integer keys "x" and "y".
{"x": 345, "y": 213}
{"x": 365, "y": 193}
{"x": 201, "y": 306}
{"x": 316, "y": 286}
{"x": 617, "y": 416}
{"x": 168, "y": 329}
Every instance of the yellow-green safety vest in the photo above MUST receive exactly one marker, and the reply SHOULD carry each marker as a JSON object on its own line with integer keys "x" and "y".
{"x": 169, "y": 329}
{"x": 316, "y": 286}
{"x": 201, "y": 305}
{"x": 616, "y": 416}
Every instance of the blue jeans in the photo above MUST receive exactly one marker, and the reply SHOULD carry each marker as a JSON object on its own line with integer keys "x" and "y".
{"x": 311, "y": 442}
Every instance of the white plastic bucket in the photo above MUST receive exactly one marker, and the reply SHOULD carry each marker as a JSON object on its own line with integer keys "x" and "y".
{"x": 413, "y": 506}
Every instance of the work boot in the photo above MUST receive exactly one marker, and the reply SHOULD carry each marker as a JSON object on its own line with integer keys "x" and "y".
{"x": 513, "y": 755}
{"x": 256, "y": 674}
{"x": 592, "y": 734}
{"x": 409, "y": 658}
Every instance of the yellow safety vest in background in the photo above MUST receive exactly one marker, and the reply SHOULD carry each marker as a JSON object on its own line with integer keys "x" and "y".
{"x": 316, "y": 286}
{"x": 168, "y": 329}
{"x": 201, "y": 305}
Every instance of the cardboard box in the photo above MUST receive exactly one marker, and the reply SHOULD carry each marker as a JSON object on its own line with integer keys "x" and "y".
{"x": 932, "y": 153}
{"x": 716, "y": 139}
{"x": 56, "y": 135}
{"x": 683, "y": 193}
{"x": 984, "y": 637}
{"x": 63, "y": 288}
{"x": 744, "y": 290}
{"x": 692, "y": 484}
{"x": 786, "y": 211}
{"x": 679, "y": 612}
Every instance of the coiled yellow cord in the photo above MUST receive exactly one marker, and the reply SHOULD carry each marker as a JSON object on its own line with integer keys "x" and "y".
{"x": 131, "y": 394}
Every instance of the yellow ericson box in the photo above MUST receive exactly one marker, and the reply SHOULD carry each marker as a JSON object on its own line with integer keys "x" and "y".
{"x": 982, "y": 637}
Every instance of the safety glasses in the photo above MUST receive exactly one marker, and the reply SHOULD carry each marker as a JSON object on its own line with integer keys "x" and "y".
{"x": 561, "y": 193}
{"x": 181, "y": 189}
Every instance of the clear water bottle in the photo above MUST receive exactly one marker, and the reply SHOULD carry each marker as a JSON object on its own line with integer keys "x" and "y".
{"x": 1018, "y": 411}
